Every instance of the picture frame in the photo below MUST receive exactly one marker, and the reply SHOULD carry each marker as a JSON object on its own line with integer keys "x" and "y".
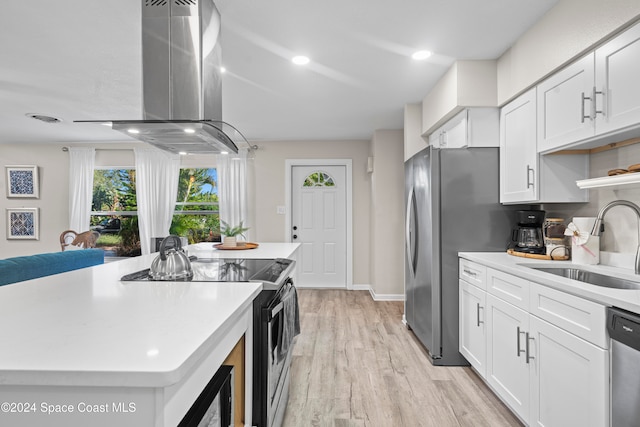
{"x": 23, "y": 223}
{"x": 22, "y": 182}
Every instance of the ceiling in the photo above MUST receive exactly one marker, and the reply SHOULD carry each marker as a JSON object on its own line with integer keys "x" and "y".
{"x": 81, "y": 60}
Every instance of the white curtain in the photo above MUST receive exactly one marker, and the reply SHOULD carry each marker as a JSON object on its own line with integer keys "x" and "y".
{"x": 232, "y": 189}
{"x": 157, "y": 175}
{"x": 81, "y": 164}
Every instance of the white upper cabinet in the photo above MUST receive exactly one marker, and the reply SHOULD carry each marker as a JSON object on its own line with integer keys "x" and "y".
{"x": 525, "y": 175}
{"x": 518, "y": 155}
{"x": 564, "y": 105}
{"x": 594, "y": 97}
{"x": 472, "y": 127}
{"x": 617, "y": 89}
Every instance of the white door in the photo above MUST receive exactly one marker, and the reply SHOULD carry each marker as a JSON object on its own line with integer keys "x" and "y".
{"x": 319, "y": 224}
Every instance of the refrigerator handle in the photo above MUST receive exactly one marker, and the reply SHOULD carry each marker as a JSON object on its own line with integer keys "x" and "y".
{"x": 410, "y": 254}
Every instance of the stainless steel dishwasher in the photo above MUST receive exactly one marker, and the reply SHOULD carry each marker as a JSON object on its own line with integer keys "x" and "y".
{"x": 624, "y": 330}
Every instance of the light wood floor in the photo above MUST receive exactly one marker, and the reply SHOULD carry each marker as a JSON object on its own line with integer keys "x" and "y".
{"x": 356, "y": 364}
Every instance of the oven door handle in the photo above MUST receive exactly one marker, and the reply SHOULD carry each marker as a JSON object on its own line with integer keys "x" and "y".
{"x": 281, "y": 297}
{"x": 277, "y": 309}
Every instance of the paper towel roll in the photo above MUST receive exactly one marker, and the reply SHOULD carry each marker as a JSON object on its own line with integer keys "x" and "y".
{"x": 589, "y": 253}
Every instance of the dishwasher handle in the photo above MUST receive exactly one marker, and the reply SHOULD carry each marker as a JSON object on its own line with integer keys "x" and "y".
{"x": 624, "y": 326}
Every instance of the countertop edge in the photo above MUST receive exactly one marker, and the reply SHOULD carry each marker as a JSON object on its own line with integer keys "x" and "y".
{"x": 623, "y": 298}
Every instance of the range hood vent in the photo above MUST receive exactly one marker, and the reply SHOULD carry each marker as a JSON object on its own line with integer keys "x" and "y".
{"x": 181, "y": 80}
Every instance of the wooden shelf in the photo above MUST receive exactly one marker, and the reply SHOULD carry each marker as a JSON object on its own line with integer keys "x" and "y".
{"x": 610, "y": 181}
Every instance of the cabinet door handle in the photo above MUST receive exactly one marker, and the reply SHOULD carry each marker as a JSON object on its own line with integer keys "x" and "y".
{"x": 470, "y": 273}
{"x": 595, "y": 102}
{"x": 478, "y": 307}
{"x": 528, "y": 356}
{"x": 530, "y": 172}
{"x": 582, "y": 116}
{"x": 518, "y": 341}
{"x": 443, "y": 139}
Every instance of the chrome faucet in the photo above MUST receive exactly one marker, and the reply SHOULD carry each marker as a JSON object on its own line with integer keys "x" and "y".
{"x": 597, "y": 226}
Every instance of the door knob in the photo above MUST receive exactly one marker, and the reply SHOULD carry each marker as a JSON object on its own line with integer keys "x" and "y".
{"x": 295, "y": 236}
{"x": 295, "y": 227}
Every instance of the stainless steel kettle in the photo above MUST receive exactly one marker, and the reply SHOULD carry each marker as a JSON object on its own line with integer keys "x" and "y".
{"x": 171, "y": 263}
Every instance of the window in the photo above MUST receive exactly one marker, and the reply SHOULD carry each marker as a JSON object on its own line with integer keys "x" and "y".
{"x": 114, "y": 209}
{"x": 318, "y": 179}
{"x": 114, "y": 212}
{"x": 197, "y": 217}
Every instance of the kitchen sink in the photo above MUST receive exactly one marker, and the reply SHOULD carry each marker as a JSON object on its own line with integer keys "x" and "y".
{"x": 590, "y": 277}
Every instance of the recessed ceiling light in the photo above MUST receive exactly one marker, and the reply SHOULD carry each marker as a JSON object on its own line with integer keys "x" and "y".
{"x": 183, "y": 153}
{"x": 44, "y": 118}
{"x": 189, "y": 130}
{"x": 133, "y": 131}
{"x": 223, "y": 70}
{"x": 300, "y": 60}
{"x": 421, "y": 54}
{"x": 224, "y": 152}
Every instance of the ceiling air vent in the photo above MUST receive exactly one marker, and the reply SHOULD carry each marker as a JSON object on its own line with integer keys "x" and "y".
{"x": 155, "y": 2}
{"x": 43, "y": 118}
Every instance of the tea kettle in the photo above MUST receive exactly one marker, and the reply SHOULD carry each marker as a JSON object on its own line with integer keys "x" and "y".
{"x": 171, "y": 263}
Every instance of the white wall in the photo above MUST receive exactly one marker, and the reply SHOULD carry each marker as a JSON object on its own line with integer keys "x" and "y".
{"x": 621, "y": 224}
{"x": 386, "y": 261}
{"x": 269, "y": 163}
{"x": 53, "y": 164}
{"x": 569, "y": 29}
{"x": 53, "y": 170}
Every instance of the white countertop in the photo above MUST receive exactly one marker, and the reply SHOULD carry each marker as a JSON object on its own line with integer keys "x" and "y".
{"x": 623, "y": 298}
{"x": 263, "y": 251}
{"x": 86, "y": 327}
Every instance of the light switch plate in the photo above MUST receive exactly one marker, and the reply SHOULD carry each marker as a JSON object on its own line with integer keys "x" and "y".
{"x": 281, "y": 210}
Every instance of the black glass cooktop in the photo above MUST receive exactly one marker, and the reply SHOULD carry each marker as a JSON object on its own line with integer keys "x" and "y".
{"x": 272, "y": 271}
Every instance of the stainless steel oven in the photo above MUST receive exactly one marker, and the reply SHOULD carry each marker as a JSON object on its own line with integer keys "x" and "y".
{"x": 214, "y": 406}
{"x": 275, "y": 323}
{"x": 280, "y": 319}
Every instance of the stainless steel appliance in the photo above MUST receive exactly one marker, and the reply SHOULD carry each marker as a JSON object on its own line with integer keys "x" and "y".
{"x": 214, "y": 406}
{"x": 275, "y": 323}
{"x": 452, "y": 206}
{"x": 528, "y": 236}
{"x": 624, "y": 330}
{"x": 181, "y": 81}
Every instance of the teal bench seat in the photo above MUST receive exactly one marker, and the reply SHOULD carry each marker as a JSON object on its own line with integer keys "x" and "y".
{"x": 22, "y": 268}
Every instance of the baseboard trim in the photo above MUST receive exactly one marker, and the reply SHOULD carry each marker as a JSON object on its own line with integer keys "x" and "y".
{"x": 361, "y": 287}
{"x": 378, "y": 297}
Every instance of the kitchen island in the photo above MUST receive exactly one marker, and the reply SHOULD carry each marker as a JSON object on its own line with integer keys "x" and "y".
{"x": 83, "y": 348}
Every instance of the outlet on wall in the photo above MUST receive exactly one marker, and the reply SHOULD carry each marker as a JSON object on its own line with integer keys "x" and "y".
{"x": 281, "y": 210}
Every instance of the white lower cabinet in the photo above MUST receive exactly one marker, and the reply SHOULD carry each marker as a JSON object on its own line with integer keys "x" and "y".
{"x": 569, "y": 378}
{"x": 546, "y": 374}
{"x": 507, "y": 366}
{"x": 473, "y": 341}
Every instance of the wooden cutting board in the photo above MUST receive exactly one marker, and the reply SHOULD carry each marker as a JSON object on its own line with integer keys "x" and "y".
{"x": 537, "y": 256}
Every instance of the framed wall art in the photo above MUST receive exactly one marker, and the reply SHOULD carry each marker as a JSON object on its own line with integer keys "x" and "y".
{"x": 23, "y": 223}
{"x": 22, "y": 181}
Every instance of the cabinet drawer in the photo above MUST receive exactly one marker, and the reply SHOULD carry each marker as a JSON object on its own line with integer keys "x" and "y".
{"x": 473, "y": 273}
{"x": 509, "y": 288}
{"x": 581, "y": 317}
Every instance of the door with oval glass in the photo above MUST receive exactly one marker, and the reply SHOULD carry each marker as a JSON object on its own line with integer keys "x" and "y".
{"x": 319, "y": 224}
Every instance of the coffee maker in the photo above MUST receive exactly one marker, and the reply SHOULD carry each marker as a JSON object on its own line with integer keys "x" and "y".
{"x": 528, "y": 237}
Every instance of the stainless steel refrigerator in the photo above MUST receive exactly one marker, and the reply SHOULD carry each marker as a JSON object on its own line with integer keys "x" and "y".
{"x": 452, "y": 206}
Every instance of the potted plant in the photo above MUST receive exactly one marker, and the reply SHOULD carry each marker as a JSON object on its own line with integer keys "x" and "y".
{"x": 231, "y": 233}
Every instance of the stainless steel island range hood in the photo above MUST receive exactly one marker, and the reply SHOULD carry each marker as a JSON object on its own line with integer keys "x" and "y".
{"x": 182, "y": 90}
